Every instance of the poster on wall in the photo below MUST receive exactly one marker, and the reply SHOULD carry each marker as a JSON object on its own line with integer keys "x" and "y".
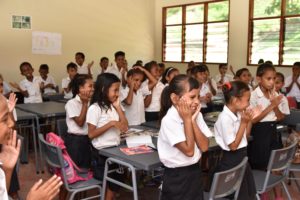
{"x": 21, "y": 22}
{"x": 46, "y": 43}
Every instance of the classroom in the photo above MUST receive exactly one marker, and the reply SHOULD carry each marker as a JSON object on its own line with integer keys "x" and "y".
{"x": 150, "y": 99}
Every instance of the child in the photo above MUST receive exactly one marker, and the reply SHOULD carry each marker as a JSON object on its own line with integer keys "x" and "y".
{"x": 81, "y": 67}
{"x": 118, "y": 68}
{"x": 244, "y": 75}
{"x": 133, "y": 95}
{"x": 292, "y": 83}
{"x": 208, "y": 87}
{"x": 6, "y": 89}
{"x": 169, "y": 74}
{"x": 9, "y": 156}
{"x": 47, "y": 82}
{"x": 152, "y": 101}
{"x": 106, "y": 120}
{"x": 77, "y": 141}
{"x": 65, "y": 84}
{"x": 161, "y": 67}
{"x": 279, "y": 82}
{"x": 30, "y": 86}
{"x": 182, "y": 137}
{"x": 231, "y": 131}
{"x": 222, "y": 77}
{"x": 103, "y": 64}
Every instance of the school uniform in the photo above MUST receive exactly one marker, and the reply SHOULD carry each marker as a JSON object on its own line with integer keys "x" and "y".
{"x": 33, "y": 89}
{"x": 76, "y": 140}
{"x": 49, "y": 80}
{"x": 152, "y": 111}
{"x": 83, "y": 69}
{"x": 182, "y": 175}
{"x": 227, "y": 78}
{"x": 3, "y": 191}
{"x": 225, "y": 129}
{"x": 115, "y": 70}
{"x": 135, "y": 113}
{"x": 264, "y": 133}
{"x": 295, "y": 91}
{"x": 6, "y": 88}
{"x": 205, "y": 89}
{"x": 65, "y": 84}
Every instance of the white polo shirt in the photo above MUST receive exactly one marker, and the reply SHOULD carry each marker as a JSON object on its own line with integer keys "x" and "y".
{"x": 83, "y": 69}
{"x": 171, "y": 133}
{"x": 3, "y": 191}
{"x": 258, "y": 98}
{"x": 6, "y": 88}
{"x": 115, "y": 70}
{"x": 49, "y": 80}
{"x": 73, "y": 108}
{"x": 135, "y": 113}
{"x": 205, "y": 88}
{"x": 33, "y": 89}
{"x": 65, "y": 84}
{"x": 156, "y": 93}
{"x": 227, "y": 78}
{"x": 295, "y": 91}
{"x": 226, "y": 128}
{"x": 98, "y": 117}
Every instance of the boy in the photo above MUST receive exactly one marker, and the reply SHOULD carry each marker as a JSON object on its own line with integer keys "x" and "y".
{"x": 72, "y": 71}
{"x": 81, "y": 67}
{"x": 223, "y": 77}
{"x": 30, "y": 86}
{"x": 208, "y": 87}
{"x": 292, "y": 84}
{"x": 48, "y": 84}
{"x": 103, "y": 64}
{"x": 119, "y": 68}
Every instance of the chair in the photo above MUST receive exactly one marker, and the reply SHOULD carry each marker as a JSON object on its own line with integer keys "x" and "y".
{"x": 227, "y": 182}
{"x": 279, "y": 161}
{"x": 61, "y": 127}
{"x": 53, "y": 156}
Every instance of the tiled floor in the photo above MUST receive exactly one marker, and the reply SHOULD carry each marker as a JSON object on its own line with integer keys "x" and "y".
{"x": 27, "y": 177}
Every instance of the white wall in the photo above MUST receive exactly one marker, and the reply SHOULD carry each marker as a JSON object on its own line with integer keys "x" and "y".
{"x": 238, "y": 35}
{"x": 97, "y": 28}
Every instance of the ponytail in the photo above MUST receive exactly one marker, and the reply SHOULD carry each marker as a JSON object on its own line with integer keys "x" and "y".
{"x": 165, "y": 102}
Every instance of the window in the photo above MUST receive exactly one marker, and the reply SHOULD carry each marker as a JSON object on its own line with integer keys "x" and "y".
{"x": 274, "y": 31}
{"x": 197, "y": 32}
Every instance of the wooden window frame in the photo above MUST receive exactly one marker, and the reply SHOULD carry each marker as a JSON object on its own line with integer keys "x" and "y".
{"x": 282, "y": 18}
{"x": 184, "y": 24}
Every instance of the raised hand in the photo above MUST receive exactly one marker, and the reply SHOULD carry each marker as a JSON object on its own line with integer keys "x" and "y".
{"x": 85, "y": 96}
{"x": 90, "y": 64}
{"x": 46, "y": 191}
{"x": 12, "y": 100}
{"x": 117, "y": 103}
{"x": 257, "y": 111}
{"x": 247, "y": 115}
{"x": 195, "y": 115}
{"x": 183, "y": 109}
{"x": 275, "y": 101}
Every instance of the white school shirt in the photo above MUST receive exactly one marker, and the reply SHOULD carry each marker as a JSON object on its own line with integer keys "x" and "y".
{"x": 171, "y": 133}
{"x": 227, "y": 78}
{"x": 33, "y": 89}
{"x": 295, "y": 91}
{"x": 65, "y": 84}
{"x": 135, "y": 113}
{"x": 113, "y": 69}
{"x": 73, "y": 108}
{"x": 83, "y": 69}
{"x": 3, "y": 191}
{"x": 156, "y": 93}
{"x": 206, "y": 89}
{"x": 258, "y": 98}
{"x": 99, "y": 117}
{"x": 6, "y": 88}
{"x": 48, "y": 80}
{"x": 226, "y": 128}
{"x": 284, "y": 106}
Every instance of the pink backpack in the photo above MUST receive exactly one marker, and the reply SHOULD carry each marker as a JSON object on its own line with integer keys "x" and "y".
{"x": 71, "y": 168}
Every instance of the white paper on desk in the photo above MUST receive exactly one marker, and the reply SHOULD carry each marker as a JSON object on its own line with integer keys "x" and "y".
{"x": 138, "y": 140}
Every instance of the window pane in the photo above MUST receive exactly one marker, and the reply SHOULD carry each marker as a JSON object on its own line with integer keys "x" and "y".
{"x": 265, "y": 43}
{"x": 218, "y": 11}
{"x": 194, "y": 14}
{"x": 292, "y": 41}
{"x": 174, "y": 15}
{"x": 267, "y": 8}
{"x": 194, "y": 43}
{"x": 173, "y": 43}
{"x": 292, "y": 7}
{"x": 217, "y": 42}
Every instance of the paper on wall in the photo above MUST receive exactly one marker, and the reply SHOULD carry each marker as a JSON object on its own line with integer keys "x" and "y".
{"x": 46, "y": 43}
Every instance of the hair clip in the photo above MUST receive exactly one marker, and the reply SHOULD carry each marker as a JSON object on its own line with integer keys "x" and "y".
{"x": 170, "y": 69}
{"x": 228, "y": 85}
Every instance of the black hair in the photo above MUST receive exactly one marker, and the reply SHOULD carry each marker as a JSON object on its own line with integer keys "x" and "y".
{"x": 131, "y": 72}
{"x": 296, "y": 64}
{"x": 222, "y": 65}
{"x": 80, "y": 54}
{"x": 161, "y": 65}
{"x": 71, "y": 65}
{"x": 167, "y": 73}
{"x": 139, "y": 63}
{"x": 280, "y": 75}
{"x": 234, "y": 89}
{"x": 149, "y": 65}
{"x": 119, "y": 53}
{"x": 241, "y": 71}
{"x": 103, "y": 58}
{"x": 261, "y": 61}
{"x": 269, "y": 62}
{"x": 25, "y": 63}
{"x": 78, "y": 81}
{"x": 44, "y": 67}
{"x": 199, "y": 68}
{"x": 177, "y": 86}
{"x": 261, "y": 69}
{"x": 103, "y": 83}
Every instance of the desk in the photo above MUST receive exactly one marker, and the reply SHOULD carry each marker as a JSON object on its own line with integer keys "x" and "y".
{"x": 52, "y": 97}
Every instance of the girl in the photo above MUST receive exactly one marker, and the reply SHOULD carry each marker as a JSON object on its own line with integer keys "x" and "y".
{"x": 77, "y": 141}
{"x": 169, "y": 74}
{"x": 231, "y": 131}
{"x": 182, "y": 137}
{"x": 152, "y": 101}
{"x": 244, "y": 75}
{"x": 106, "y": 121}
